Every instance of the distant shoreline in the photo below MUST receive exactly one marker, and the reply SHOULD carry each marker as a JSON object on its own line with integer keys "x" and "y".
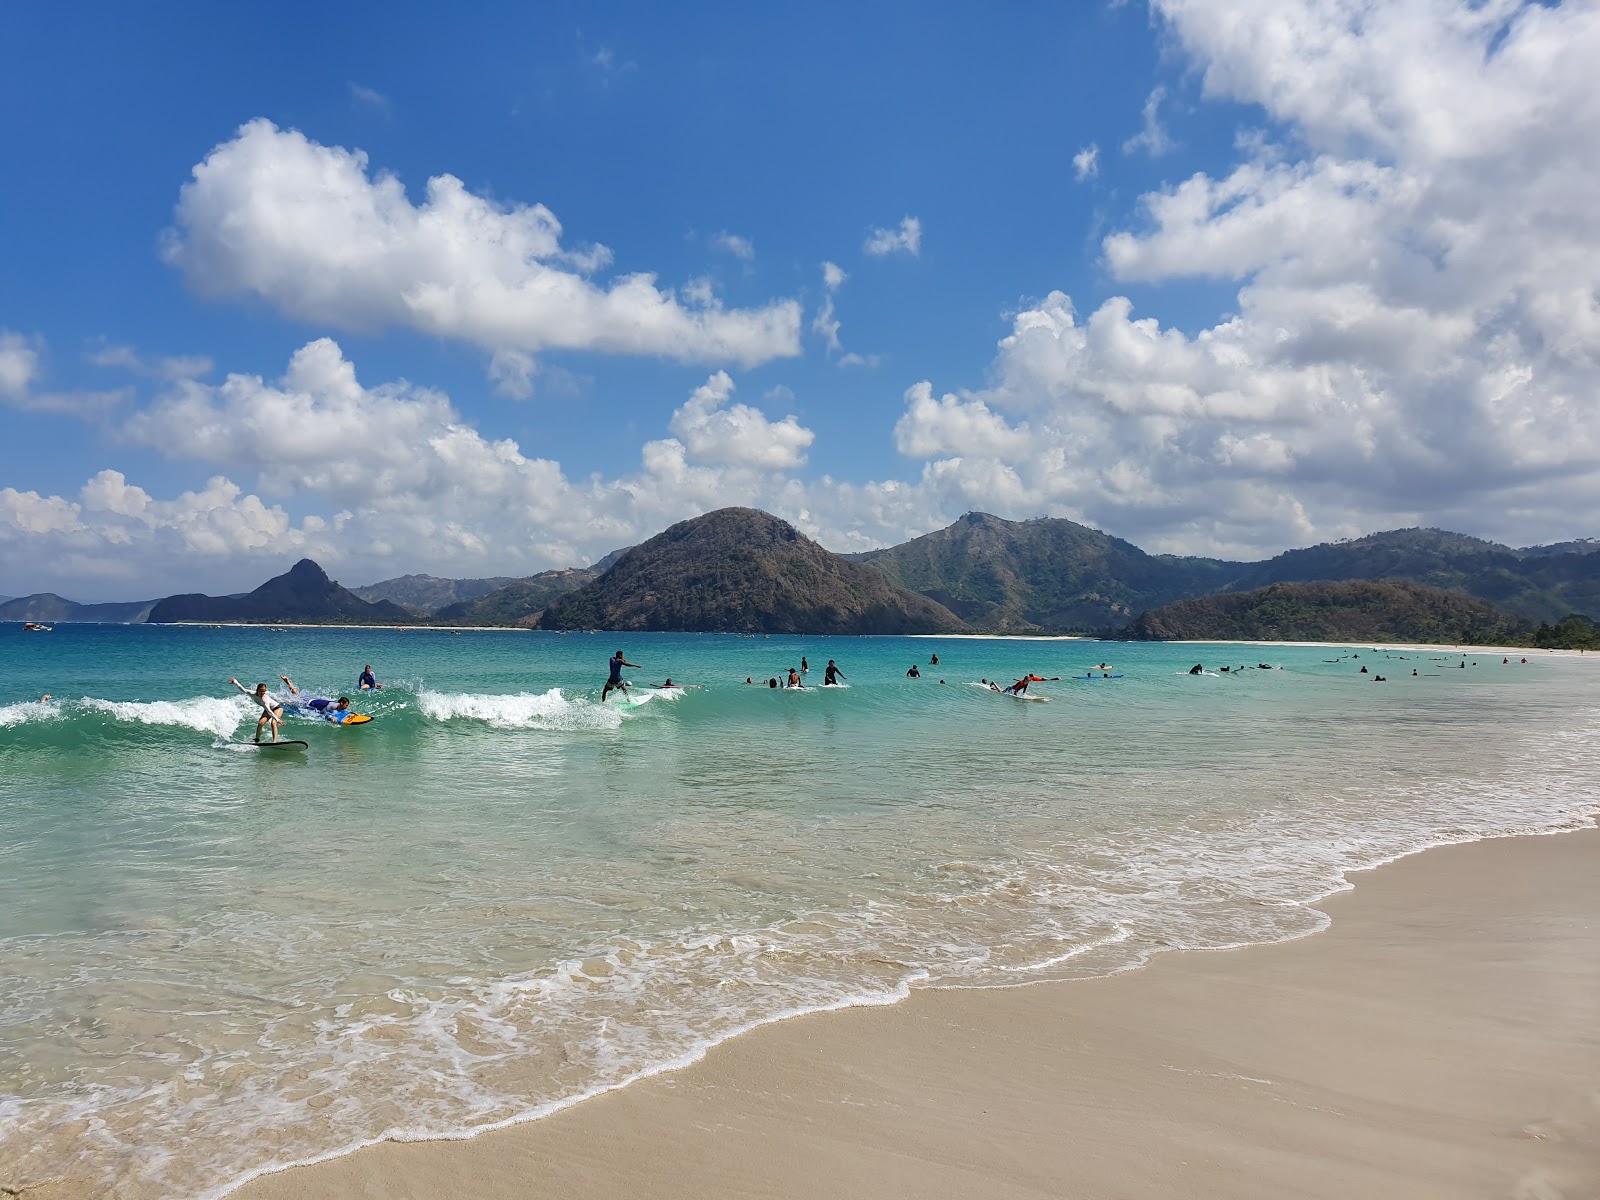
{"x": 1520, "y": 651}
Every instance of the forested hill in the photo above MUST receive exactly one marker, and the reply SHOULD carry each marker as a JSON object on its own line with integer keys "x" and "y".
{"x": 1049, "y": 574}
{"x": 1541, "y": 587}
{"x": 1333, "y": 612}
{"x": 303, "y": 595}
{"x": 742, "y": 570}
{"x": 424, "y": 594}
{"x": 519, "y": 602}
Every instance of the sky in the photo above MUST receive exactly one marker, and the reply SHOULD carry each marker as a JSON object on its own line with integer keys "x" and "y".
{"x": 502, "y": 290}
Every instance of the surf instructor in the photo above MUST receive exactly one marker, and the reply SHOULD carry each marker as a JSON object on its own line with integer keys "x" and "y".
{"x": 616, "y": 681}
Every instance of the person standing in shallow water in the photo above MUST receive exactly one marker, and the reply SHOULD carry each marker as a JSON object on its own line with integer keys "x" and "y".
{"x": 805, "y": 667}
{"x": 832, "y": 675}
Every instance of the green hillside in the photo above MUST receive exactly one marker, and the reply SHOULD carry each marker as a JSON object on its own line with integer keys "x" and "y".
{"x": 739, "y": 570}
{"x": 1333, "y": 612}
{"x": 1048, "y": 574}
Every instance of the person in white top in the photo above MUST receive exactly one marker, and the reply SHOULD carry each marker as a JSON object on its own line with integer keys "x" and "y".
{"x": 269, "y": 711}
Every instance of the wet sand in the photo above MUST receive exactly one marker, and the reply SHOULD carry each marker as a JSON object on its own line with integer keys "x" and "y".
{"x": 1442, "y": 1039}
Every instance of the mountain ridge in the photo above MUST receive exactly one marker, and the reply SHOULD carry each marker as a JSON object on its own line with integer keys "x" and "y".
{"x": 743, "y": 570}
{"x": 302, "y": 594}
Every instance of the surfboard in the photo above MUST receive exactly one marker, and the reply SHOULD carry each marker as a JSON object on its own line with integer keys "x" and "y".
{"x": 835, "y": 685}
{"x": 1025, "y": 696}
{"x": 353, "y": 719}
{"x": 278, "y": 745}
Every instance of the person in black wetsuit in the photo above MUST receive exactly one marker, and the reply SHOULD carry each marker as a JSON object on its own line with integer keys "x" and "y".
{"x": 832, "y": 675}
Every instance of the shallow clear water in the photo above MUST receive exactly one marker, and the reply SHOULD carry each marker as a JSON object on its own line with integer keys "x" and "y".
{"x": 500, "y": 895}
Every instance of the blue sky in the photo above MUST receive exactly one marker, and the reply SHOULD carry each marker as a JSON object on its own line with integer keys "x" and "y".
{"x": 1216, "y": 277}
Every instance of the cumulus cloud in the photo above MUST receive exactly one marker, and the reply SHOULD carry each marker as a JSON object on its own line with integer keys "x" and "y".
{"x": 512, "y": 372}
{"x": 714, "y": 432}
{"x": 1086, "y": 162}
{"x": 308, "y": 229}
{"x": 907, "y": 239}
{"x": 1418, "y": 307}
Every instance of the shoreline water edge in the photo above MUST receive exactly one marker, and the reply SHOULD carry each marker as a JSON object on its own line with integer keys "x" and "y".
{"x": 1445, "y": 1010}
{"x": 502, "y": 903}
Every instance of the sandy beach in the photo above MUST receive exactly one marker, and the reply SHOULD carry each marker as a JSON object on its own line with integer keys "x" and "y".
{"x": 1441, "y": 1039}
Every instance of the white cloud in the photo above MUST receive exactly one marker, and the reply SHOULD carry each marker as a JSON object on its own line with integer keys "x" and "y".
{"x": 19, "y": 364}
{"x": 512, "y": 372}
{"x": 21, "y": 367}
{"x": 833, "y": 276}
{"x": 859, "y": 360}
{"x": 366, "y": 97}
{"x": 741, "y": 248}
{"x": 126, "y": 358}
{"x": 1152, "y": 137}
{"x": 713, "y": 432}
{"x": 303, "y": 226}
{"x": 905, "y": 240}
{"x": 1086, "y": 162}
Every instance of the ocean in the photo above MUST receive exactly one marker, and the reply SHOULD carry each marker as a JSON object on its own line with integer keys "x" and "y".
{"x": 500, "y": 896}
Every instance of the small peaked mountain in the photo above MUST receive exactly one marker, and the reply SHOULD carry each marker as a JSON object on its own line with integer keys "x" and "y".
{"x": 429, "y": 593}
{"x": 49, "y": 607}
{"x": 303, "y": 594}
{"x": 1333, "y": 612}
{"x": 519, "y": 602}
{"x": 742, "y": 570}
{"x": 1046, "y": 574}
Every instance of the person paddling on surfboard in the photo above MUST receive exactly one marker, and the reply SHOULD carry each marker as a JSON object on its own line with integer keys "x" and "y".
{"x": 616, "y": 681}
{"x": 336, "y": 712}
{"x": 1020, "y": 687}
{"x": 269, "y": 711}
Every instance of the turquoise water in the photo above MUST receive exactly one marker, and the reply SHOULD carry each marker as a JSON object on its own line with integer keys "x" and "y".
{"x": 500, "y": 895}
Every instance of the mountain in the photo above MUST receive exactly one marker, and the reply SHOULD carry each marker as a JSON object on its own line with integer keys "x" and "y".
{"x": 1576, "y": 546}
{"x": 427, "y": 593}
{"x": 49, "y": 607}
{"x": 1333, "y": 612}
{"x": 1046, "y": 574}
{"x": 519, "y": 602}
{"x": 304, "y": 594}
{"x": 741, "y": 570}
{"x": 1544, "y": 588}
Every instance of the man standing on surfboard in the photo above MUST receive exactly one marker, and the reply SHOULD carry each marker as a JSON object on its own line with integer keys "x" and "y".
{"x": 616, "y": 681}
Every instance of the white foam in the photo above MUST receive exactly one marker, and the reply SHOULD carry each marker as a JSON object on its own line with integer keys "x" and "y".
{"x": 28, "y": 710}
{"x": 521, "y": 710}
{"x": 209, "y": 714}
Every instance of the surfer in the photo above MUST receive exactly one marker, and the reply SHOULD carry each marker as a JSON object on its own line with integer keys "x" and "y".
{"x": 269, "y": 711}
{"x": 805, "y": 667}
{"x": 367, "y": 683}
{"x": 934, "y": 661}
{"x": 335, "y": 712}
{"x": 832, "y": 674}
{"x": 1020, "y": 687}
{"x": 914, "y": 673}
{"x": 1196, "y": 669}
{"x": 794, "y": 679}
{"x": 616, "y": 664}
